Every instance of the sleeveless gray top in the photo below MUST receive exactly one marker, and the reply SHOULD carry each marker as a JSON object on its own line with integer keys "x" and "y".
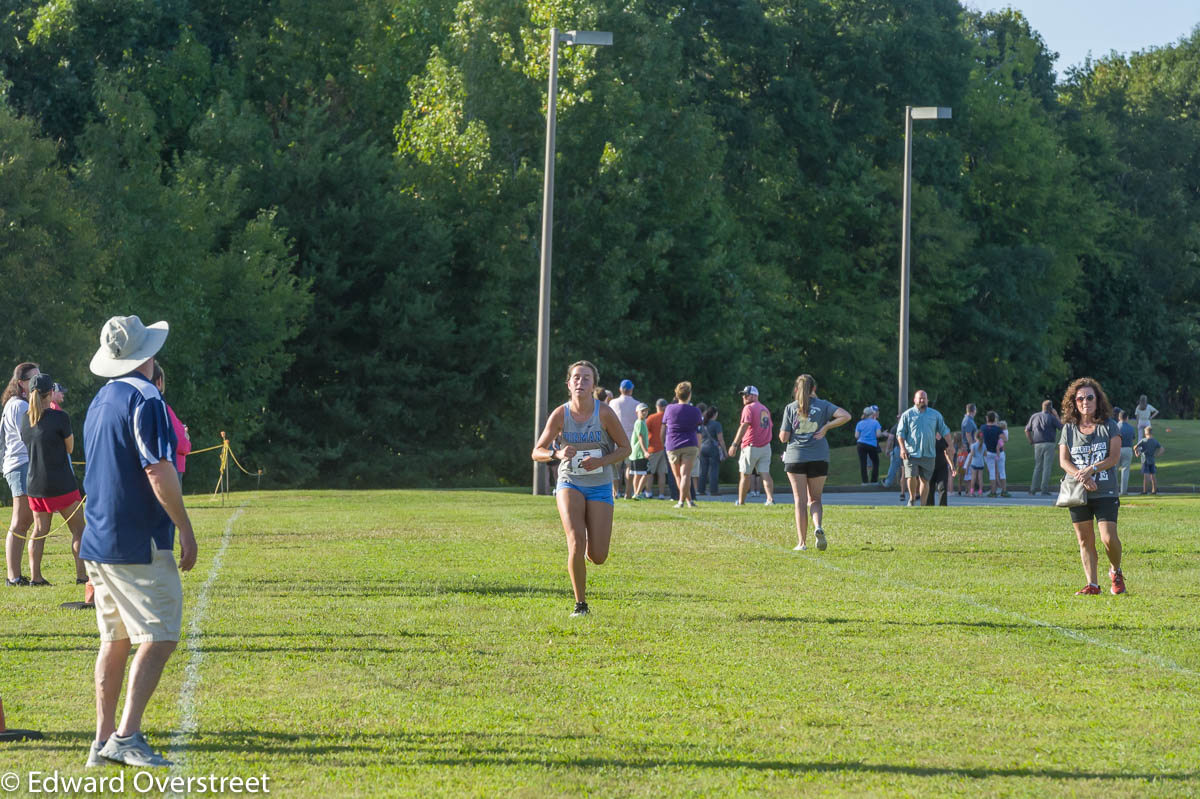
{"x": 588, "y": 438}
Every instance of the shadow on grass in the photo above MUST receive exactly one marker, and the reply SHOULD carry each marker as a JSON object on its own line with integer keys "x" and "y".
{"x": 536, "y": 750}
{"x": 368, "y": 587}
{"x": 994, "y": 625}
{"x": 810, "y": 767}
{"x": 322, "y": 643}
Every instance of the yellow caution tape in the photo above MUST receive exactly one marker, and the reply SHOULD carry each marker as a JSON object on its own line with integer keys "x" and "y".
{"x": 66, "y": 521}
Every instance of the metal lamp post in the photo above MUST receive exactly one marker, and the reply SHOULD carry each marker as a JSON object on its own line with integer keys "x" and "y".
{"x": 595, "y": 39}
{"x": 910, "y": 113}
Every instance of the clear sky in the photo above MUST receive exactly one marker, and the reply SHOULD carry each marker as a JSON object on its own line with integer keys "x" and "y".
{"x": 1073, "y": 27}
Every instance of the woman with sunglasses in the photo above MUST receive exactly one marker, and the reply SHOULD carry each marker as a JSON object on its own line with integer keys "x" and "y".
{"x": 1089, "y": 451}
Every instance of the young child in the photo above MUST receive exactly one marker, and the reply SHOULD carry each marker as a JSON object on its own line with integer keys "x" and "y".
{"x": 978, "y": 452}
{"x": 1148, "y": 449}
{"x": 1001, "y": 474}
{"x": 639, "y": 456}
{"x": 962, "y": 462}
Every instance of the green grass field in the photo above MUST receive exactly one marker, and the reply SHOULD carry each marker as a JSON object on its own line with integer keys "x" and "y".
{"x": 418, "y": 644}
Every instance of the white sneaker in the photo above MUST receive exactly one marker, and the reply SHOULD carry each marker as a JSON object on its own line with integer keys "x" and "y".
{"x": 799, "y": 548}
{"x": 769, "y": 502}
{"x": 679, "y": 504}
{"x": 821, "y": 542}
{"x": 95, "y": 760}
{"x": 739, "y": 502}
{"x": 133, "y": 751}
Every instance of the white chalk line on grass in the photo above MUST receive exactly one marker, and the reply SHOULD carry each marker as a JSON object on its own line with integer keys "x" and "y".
{"x": 195, "y": 650}
{"x": 1076, "y": 635}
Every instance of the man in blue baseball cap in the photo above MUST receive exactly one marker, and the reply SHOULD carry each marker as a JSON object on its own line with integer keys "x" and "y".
{"x": 626, "y": 407}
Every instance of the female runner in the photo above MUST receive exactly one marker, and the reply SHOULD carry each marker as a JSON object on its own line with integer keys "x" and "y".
{"x": 586, "y": 436}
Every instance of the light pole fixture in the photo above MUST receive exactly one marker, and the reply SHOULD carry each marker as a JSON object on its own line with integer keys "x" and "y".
{"x": 910, "y": 113}
{"x": 595, "y": 39}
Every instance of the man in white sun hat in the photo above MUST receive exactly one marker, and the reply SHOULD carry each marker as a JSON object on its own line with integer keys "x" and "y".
{"x": 134, "y": 505}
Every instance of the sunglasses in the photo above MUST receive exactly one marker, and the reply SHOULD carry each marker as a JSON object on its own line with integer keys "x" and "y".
{"x": 1086, "y": 398}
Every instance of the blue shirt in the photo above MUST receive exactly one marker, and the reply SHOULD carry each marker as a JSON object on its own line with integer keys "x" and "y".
{"x": 991, "y": 436}
{"x": 918, "y": 430}
{"x": 1128, "y": 435}
{"x": 868, "y": 430}
{"x": 968, "y": 426}
{"x": 127, "y": 429}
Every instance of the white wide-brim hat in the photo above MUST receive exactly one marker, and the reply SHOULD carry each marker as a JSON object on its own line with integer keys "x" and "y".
{"x": 125, "y": 344}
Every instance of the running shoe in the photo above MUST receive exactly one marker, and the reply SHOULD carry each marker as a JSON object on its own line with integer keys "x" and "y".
{"x": 133, "y": 750}
{"x": 691, "y": 503}
{"x": 679, "y": 504}
{"x": 821, "y": 542}
{"x": 1005, "y": 494}
{"x": 21, "y": 580}
{"x": 736, "y": 502}
{"x": 769, "y": 502}
{"x": 95, "y": 759}
{"x": 799, "y": 548}
{"x": 1088, "y": 590}
{"x": 581, "y": 609}
{"x": 1118, "y": 581}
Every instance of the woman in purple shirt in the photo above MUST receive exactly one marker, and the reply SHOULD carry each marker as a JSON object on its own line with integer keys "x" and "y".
{"x": 681, "y": 423}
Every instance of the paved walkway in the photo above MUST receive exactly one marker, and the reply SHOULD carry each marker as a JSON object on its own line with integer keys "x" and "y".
{"x": 891, "y": 498}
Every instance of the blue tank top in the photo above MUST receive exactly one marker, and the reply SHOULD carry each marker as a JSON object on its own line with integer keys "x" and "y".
{"x": 588, "y": 438}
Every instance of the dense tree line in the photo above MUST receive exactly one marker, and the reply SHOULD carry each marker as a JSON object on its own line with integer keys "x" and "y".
{"x": 336, "y": 203}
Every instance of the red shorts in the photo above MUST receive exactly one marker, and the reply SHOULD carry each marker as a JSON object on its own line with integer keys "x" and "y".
{"x": 52, "y": 504}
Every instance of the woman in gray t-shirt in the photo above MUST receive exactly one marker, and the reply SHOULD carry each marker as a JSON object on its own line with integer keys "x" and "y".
{"x": 806, "y": 459}
{"x": 1089, "y": 451}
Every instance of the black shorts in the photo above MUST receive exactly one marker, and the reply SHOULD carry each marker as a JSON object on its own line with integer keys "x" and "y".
{"x": 808, "y": 468}
{"x": 1102, "y": 509}
{"x": 639, "y": 466}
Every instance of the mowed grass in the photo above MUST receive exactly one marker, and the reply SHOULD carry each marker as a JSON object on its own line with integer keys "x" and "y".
{"x": 418, "y": 644}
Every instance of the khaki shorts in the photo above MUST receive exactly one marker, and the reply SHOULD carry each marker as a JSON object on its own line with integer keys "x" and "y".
{"x": 684, "y": 455}
{"x": 752, "y": 458}
{"x": 657, "y": 463}
{"x": 139, "y": 601}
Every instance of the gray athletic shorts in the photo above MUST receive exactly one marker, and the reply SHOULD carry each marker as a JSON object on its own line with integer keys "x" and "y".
{"x": 918, "y": 467}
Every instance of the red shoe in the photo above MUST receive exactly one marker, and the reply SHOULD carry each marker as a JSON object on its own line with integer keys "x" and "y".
{"x": 1118, "y": 581}
{"x": 1089, "y": 590}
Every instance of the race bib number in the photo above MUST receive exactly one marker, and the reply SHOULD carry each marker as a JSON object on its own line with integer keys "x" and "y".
{"x": 574, "y": 465}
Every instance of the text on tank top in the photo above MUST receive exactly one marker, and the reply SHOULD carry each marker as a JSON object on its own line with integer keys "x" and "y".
{"x": 589, "y": 439}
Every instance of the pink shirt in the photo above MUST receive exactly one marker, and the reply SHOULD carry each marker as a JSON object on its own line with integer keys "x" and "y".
{"x": 758, "y": 421}
{"x": 183, "y": 444}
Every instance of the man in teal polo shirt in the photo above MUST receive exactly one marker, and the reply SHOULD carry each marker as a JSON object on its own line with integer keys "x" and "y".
{"x": 917, "y": 434}
{"x": 134, "y": 505}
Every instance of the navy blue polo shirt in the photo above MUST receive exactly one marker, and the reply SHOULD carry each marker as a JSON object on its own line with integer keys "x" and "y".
{"x": 127, "y": 429}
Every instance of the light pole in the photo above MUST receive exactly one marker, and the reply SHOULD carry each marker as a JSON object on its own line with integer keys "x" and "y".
{"x": 910, "y": 113}
{"x": 596, "y": 39}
